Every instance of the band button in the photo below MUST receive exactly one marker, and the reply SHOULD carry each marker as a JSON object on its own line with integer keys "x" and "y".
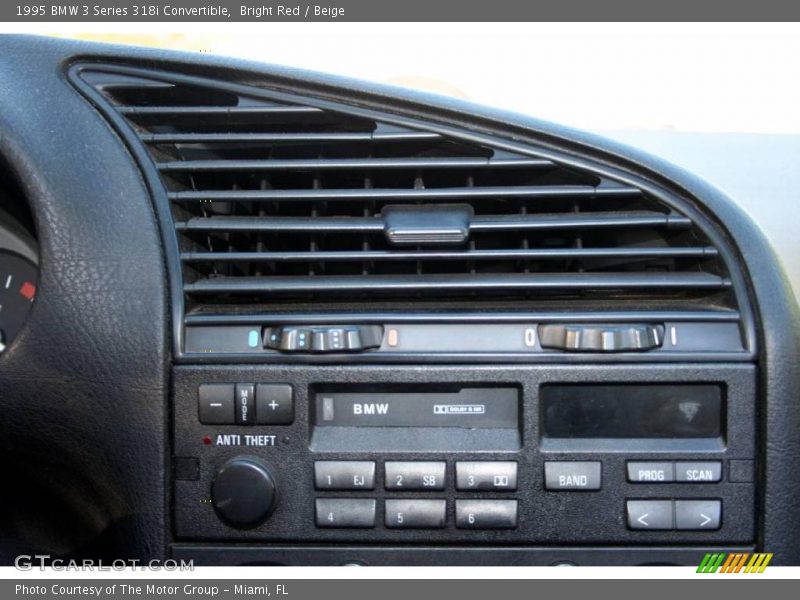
{"x": 572, "y": 475}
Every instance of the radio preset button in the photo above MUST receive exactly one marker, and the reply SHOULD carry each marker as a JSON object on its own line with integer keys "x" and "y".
{"x": 572, "y": 475}
{"x": 415, "y": 514}
{"x": 499, "y": 476}
{"x": 274, "y": 404}
{"x": 344, "y": 475}
{"x": 650, "y": 472}
{"x": 215, "y": 403}
{"x": 698, "y": 514}
{"x": 649, "y": 514}
{"x": 486, "y": 514}
{"x": 345, "y": 512}
{"x": 415, "y": 475}
{"x": 698, "y": 472}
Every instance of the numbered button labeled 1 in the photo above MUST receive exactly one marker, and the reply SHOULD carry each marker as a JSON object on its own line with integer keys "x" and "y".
{"x": 344, "y": 475}
{"x": 415, "y": 475}
{"x": 486, "y": 514}
{"x": 415, "y": 514}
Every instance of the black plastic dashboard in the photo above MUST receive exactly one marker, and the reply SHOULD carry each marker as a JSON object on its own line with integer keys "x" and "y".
{"x": 194, "y": 381}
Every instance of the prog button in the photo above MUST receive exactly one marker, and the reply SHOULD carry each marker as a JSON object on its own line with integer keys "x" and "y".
{"x": 650, "y": 472}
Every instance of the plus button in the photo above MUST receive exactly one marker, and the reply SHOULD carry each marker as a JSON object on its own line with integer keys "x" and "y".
{"x": 273, "y": 405}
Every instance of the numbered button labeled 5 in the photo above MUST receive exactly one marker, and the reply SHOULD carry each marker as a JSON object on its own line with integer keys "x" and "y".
{"x": 415, "y": 514}
{"x": 415, "y": 475}
{"x": 344, "y": 475}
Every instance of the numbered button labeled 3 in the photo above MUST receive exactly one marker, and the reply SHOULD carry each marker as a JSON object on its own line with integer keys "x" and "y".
{"x": 344, "y": 475}
{"x": 498, "y": 476}
{"x": 415, "y": 475}
{"x": 415, "y": 514}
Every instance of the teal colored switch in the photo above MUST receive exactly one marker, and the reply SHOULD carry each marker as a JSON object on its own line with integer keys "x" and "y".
{"x": 252, "y": 339}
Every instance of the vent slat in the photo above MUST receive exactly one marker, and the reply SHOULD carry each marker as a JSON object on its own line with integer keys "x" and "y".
{"x": 471, "y": 193}
{"x": 326, "y": 164}
{"x": 201, "y": 111}
{"x": 543, "y": 254}
{"x": 320, "y": 285}
{"x": 478, "y": 223}
{"x": 285, "y": 138}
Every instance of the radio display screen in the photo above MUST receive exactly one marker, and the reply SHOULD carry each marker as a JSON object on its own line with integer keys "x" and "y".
{"x": 467, "y": 408}
{"x": 632, "y": 411}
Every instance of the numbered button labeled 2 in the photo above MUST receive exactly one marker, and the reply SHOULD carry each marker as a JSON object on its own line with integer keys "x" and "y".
{"x": 415, "y": 514}
{"x": 344, "y": 475}
{"x": 498, "y": 476}
{"x": 486, "y": 514}
{"x": 415, "y": 475}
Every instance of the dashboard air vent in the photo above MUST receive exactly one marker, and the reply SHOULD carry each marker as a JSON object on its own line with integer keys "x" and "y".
{"x": 282, "y": 203}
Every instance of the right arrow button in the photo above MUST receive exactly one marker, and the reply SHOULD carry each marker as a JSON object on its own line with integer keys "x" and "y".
{"x": 698, "y": 515}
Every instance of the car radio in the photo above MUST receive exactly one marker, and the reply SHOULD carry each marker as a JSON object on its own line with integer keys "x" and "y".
{"x": 482, "y": 455}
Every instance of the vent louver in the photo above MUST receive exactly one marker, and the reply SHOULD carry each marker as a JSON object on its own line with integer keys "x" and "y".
{"x": 280, "y": 205}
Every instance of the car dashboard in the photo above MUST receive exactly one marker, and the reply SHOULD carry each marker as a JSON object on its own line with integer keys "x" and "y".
{"x": 259, "y": 316}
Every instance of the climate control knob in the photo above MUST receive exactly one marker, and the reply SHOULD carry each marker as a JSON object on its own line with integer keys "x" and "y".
{"x": 243, "y": 492}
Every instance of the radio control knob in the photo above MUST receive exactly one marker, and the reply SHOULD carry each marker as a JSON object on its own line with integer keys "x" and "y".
{"x": 243, "y": 492}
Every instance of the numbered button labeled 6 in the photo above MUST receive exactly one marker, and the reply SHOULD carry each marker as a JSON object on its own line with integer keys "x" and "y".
{"x": 486, "y": 514}
{"x": 415, "y": 475}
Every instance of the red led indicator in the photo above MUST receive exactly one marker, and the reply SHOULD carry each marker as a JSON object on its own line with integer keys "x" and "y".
{"x": 207, "y": 440}
{"x": 28, "y": 290}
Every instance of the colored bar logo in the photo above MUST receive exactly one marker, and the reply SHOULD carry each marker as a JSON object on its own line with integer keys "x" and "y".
{"x": 734, "y": 562}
